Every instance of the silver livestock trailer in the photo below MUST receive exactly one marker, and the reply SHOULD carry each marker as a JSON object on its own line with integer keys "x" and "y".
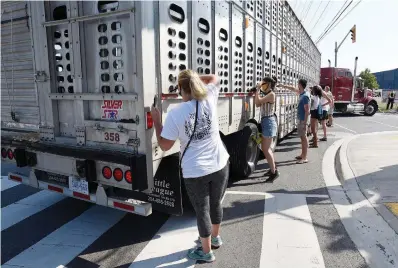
{"x": 78, "y": 79}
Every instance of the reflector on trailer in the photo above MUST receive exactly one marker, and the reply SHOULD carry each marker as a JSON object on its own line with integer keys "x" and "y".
{"x": 123, "y": 206}
{"x": 80, "y": 195}
{"x": 10, "y": 154}
{"x": 15, "y": 178}
{"x": 128, "y": 176}
{"x": 118, "y": 174}
{"x": 107, "y": 172}
{"x": 149, "y": 120}
{"x": 3, "y": 152}
{"x": 55, "y": 189}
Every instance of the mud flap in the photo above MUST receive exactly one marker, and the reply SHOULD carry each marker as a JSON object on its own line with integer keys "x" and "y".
{"x": 236, "y": 146}
{"x": 166, "y": 196}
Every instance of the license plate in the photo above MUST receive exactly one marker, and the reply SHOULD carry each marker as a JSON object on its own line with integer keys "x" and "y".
{"x": 78, "y": 185}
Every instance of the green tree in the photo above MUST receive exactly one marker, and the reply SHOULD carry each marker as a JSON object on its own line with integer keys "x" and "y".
{"x": 369, "y": 79}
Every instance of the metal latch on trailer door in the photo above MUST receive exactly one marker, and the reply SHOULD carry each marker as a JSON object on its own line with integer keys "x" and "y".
{"x": 41, "y": 76}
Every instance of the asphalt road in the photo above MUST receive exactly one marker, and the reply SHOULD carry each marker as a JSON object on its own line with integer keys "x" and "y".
{"x": 44, "y": 229}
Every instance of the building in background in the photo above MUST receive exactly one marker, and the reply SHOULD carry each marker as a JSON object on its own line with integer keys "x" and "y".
{"x": 388, "y": 81}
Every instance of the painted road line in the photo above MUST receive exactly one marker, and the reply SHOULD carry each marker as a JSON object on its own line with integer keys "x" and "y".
{"x": 26, "y": 207}
{"x": 170, "y": 245}
{"x": 268, "y": 194}
{"x": 388, "y": 125}
{"x": 7, "y": 184}
{"x": 62, "y": 245}
{"x": 393, "y": 207}
{"x": 289, "y": 238}
{"x": 350, "y": 130}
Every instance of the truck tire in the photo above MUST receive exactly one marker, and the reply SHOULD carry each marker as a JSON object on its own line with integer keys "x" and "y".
{"x": 249, "y": 156}
{"x": 371, "y": 108}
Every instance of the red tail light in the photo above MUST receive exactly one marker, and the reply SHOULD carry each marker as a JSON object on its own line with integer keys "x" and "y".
{"x": 118, "y": 174}
{"x": 3, "y": 152}
{"x": 128, "y": 177}
{"x": 10, "y": 154}
{"x": 107, "y": 172}
{"x": 149, "y": 120}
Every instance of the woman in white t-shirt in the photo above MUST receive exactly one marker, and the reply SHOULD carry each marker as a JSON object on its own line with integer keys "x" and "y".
{"x": 325, "y": 112}
{"x": 205, "y": 164}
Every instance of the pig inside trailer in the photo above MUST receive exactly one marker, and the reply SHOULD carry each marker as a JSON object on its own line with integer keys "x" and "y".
{"x": 79, "y": 79}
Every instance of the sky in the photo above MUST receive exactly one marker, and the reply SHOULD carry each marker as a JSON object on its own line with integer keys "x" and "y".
{"x": 376, "y": 31}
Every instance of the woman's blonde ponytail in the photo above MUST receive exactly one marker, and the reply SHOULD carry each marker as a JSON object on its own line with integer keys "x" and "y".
{"x": 190, "y": 82}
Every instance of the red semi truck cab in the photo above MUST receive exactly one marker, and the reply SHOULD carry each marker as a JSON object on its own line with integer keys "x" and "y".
{"x": 341, "y": 83}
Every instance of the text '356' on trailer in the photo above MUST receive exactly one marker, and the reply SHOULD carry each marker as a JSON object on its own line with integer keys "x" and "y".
{"x": 79, "y": 79}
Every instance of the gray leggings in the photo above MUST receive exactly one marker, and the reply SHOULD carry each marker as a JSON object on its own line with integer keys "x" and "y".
{"x": 205, "y": 194}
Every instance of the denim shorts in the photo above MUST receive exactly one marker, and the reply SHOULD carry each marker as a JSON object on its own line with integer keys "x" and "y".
{"x": 268, "y": 126}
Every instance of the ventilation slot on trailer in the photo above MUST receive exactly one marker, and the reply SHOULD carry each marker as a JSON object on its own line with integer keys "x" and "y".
{"x": 110, "y": 46}
{"x": 61, "y": 46}
{"x": 177, "y": 45}
{"x": 107, "y": 6}
{"x": 249, "y": 66}
{"x": 259, "y": 73}
{"x": 238, "y": 64}
{"x": 222, "y": 60}
{"x": 203, "y": 49}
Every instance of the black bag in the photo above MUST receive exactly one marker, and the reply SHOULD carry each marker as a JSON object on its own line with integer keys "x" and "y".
{"x": 190, "y": 139}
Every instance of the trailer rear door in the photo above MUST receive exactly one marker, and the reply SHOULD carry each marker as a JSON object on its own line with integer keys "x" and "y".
{"x": 19, "y": 102}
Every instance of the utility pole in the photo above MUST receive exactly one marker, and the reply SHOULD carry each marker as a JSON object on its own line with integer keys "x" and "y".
{"x": 336, "y": 48}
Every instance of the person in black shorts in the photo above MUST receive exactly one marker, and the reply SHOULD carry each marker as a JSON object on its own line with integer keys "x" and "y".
{"x": 317, "y": 94}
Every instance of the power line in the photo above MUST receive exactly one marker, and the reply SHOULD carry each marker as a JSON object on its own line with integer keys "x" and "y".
{"x": 328, "y": 26}
{"x": 301, "y": 13}
{"x": 320, "y": 15}
{"x": 327, "y": 30}
{"x": 312, "y": 18}
{"x": 306, "y": 13}
{"x": 331, "y": 25}
{"x": 341, "y": 19}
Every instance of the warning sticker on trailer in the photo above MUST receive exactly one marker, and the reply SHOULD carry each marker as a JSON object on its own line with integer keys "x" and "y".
{"x": 110, "y": 109}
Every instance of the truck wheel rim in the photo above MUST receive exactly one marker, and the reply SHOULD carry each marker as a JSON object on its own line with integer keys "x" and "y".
{"x": 369, "y": 109}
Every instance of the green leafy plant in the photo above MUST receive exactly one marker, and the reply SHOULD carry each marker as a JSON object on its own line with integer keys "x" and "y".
{"x": 369, "y": 79}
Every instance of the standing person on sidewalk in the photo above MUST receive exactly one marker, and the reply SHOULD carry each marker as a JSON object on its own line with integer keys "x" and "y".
{"x": 303, "y": 113}
{"x": 316, "y": 112}
{"x": 265, "y": 99}
{"x": 325, "y": 110}
{"x": 205, "y": 165}
{"x": 391, "y": 99}
{"x": 331, "y": 106}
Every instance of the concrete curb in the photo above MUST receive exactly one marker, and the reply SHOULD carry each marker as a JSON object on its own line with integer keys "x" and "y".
{"x": 346, "y": 173}
{"x": 374, "y": 238}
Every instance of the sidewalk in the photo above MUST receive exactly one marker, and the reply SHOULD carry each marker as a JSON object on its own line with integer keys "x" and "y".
{"x": 373, "y": 160}
{"x": 363, "y": 187}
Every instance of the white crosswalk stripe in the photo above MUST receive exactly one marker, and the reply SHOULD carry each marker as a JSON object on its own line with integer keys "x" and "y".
{"x": 156, "y": 254}
{"x": 6, "y": 183}
{"x": 64, "y": 244}
{"x": 296, "y": 246}
{"x": 26, "y": 207}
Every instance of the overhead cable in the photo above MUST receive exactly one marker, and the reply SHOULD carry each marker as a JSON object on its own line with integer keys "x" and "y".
{"x": 312, "y": 18}
{"x": 320, "y": 15}
{"x": 333, "y": 22}
{"x": 340, "y": 20}
{"x": 338, "y": 12}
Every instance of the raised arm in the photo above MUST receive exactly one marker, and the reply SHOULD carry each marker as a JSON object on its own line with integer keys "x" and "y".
{"x": 290, "y": 88}
{"x": 327, "y": 98}
{"x": 209, "y": 79}
{"x": 258, "y": 100}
